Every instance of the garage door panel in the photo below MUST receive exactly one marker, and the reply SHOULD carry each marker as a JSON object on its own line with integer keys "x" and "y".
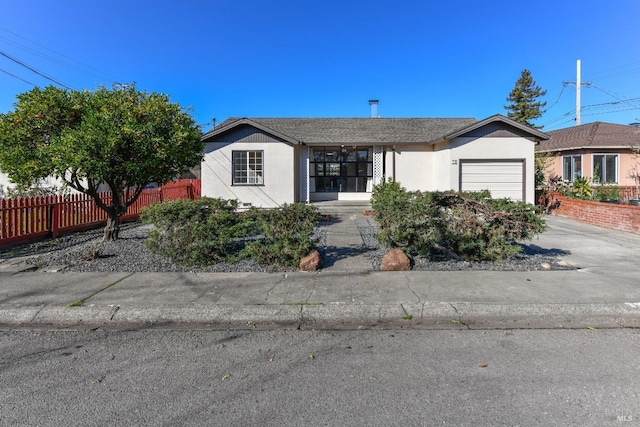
{"x": 502, "y": 179}
{"x": 507, "y": 178}
{"x": 497, "y": 168}
{"x": 501, "y": 186}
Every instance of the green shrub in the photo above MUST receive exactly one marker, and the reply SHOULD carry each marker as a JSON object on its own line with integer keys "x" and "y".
{"x": 196, "y": 232}
{"x": 470, "y": 225}
{"x": 286, "y": 234}
{"x": 405, "y": 219}
{"x": 582, "y": 188}
{"x": 207, "y": 230}
{"x": 607, "y": 192}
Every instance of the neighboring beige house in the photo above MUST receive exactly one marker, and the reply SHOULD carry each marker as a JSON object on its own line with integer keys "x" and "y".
{"x": 266, "y": 162}
{"x": 600, "y": 151}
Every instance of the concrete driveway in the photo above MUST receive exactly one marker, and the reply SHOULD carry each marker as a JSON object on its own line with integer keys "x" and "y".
{"x": 610, "y": 254}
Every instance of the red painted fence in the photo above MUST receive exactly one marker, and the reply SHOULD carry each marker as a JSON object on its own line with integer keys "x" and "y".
{"x": 37, "y": 218}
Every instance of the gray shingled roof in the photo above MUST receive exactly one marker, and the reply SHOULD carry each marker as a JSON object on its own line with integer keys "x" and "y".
{"x": 356, "y": 130}
{"x": 591, "y": 135}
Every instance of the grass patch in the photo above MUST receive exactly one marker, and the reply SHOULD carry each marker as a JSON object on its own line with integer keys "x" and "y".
{"x": 406, "y": 316}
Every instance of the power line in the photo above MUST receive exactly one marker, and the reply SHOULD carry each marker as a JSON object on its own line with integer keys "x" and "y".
{"x": 85, "y": 70}
{"x": 590, "y": 106}
{"x": 558, "y": 125}
{"x": 602, "y": 75}
{"x": 13, "y": 75}
{"x": 50, "y": 58}
{"x": 614, "y": 111}
{"x": 564, "y": 85}
{"x": 611, "y": 94}
{"x": 620, "y": 74}
{"x": 619, "y": 98}
{"x": 622, "y": 101}
{"x": 35, "y": 71}
{"x": 554, "y": 121}
{"x": 568, "y": 113}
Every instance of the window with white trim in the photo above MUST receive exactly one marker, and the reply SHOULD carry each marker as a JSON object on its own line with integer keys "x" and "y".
{"x": 605, "y": 168}
{"x": 571, "y": 167}
{"x": 248, "y": 168}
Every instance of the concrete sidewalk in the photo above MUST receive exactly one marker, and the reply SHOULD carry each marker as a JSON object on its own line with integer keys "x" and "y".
{"x": 602, "y": 292}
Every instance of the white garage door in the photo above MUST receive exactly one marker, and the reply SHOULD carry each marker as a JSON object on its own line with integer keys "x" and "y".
{"x": 502, "y": 178}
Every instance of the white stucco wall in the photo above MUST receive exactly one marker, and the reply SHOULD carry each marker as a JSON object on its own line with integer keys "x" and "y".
{"x": 279, "y": 174}
{"x": 413, "y": 167}
{"x": 493, "y": 148}
{"x": 441, "y": 173}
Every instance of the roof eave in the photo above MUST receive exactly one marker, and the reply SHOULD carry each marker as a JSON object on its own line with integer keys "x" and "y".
{"x": 249, "y": 122}
{"x": 499, "y": 118}
{"x": 588, "y": 147}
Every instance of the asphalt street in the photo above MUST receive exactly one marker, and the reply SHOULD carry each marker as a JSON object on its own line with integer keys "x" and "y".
{"x": 374, "y": 377}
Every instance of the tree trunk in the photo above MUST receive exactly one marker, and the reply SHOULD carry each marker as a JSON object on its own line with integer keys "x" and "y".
{"x": 113, "y": 212}
{"x": 113, "y": 227}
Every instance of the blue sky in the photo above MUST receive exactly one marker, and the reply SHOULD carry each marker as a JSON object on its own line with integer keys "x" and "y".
{"x": 281, "y": 58}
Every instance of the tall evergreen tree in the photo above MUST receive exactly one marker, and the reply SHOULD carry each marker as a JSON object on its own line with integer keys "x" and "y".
{"x": 524, "y": 105}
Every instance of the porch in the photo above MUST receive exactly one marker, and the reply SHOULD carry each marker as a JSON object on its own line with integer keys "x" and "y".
{"x": 340, "y": 173}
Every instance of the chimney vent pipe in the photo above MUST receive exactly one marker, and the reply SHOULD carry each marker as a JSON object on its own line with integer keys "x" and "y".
{"x": 374, "y": 108}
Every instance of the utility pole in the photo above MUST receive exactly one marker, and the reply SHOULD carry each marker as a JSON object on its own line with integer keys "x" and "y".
{"x": 578, "y": 85}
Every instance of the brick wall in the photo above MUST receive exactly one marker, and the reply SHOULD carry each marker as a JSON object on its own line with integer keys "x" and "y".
{"x": 609, "y": 215}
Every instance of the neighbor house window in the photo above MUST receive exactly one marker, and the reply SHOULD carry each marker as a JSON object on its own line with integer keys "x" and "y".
{"x": 605, "y": 168}
{"x": 248, "y": 167}
{"x": 571, "y": 167}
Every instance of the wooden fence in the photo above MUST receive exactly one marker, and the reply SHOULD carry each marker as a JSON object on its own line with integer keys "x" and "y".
{"x": 36, "y": 218}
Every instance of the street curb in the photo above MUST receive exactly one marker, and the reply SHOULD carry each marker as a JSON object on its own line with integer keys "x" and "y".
{"x": 427, "y": 314}
{"x": 18, "y": 314}
{"x": 228, "y": 314}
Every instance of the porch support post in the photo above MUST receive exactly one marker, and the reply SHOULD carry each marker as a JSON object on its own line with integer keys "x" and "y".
{"x": 304, "y": 174}
{"x": 378, "y": 170}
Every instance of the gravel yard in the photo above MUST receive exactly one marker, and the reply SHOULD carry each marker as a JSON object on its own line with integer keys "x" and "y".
{"x": 83, "y": 252}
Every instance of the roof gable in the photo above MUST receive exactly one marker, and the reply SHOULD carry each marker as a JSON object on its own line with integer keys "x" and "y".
{"x": 240, "y": 128}
{"x": 498, "y": 126}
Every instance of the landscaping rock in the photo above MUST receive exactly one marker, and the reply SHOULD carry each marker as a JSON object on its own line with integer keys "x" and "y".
{"x": 545, "y": 266}
{"x": 395, "y": 260}
{"x": 311, "y": 262}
